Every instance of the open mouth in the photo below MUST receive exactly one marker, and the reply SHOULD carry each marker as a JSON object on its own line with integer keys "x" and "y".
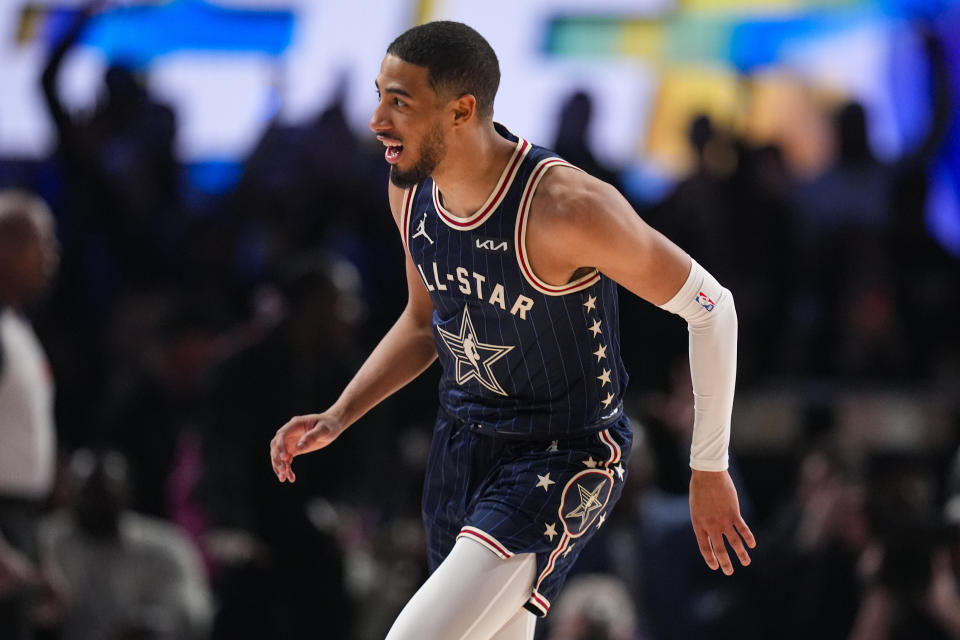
{"x": 393, "y": 152}
{"x": 394, "y": 149}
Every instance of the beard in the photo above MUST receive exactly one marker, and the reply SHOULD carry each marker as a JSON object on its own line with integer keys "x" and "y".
{"x": 432, "y": 150}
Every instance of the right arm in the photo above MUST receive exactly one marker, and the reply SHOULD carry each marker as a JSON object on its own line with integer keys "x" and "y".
{"x": 48, "y": 80}
{"x": 403, "y": 354}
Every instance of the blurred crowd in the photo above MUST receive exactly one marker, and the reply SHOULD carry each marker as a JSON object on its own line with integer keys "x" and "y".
{"x": 181, "y": 330}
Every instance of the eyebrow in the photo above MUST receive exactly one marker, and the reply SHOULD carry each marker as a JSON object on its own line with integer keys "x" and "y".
{"x": 395, "y": 90}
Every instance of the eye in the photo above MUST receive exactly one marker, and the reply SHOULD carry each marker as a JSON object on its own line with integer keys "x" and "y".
{"x": 398, "y": 102}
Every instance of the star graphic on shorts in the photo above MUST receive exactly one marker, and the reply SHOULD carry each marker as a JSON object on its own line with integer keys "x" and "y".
{"x": 619, "y": 470}
{"x": 554, "y": 447}
{"x": 591, "y": 303}
{"x": 606, "y": 401}
{"x": 602, "y": 519}
{"x": 604, "y": 377}
{"x": 590, "y": 462}
{"x": 567, "y": 551}
{"x": 589, "y": 502}
{"x": 545, "y": 481}
{"x": 595, "y": 328}
{"x": 551, "y": 531}
{"x": 474, "y": 358}
{"x": 601, "y": 352}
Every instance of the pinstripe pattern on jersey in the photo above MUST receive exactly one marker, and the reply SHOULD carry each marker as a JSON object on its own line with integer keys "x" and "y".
{"x": 564, "y": 543}
{"x": 535, "y": 360}
{"x": 522, "y": 496}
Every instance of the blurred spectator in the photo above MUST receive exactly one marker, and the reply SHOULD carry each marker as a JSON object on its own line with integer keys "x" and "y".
{"x": 118, "y": 212}
{"x": 696, "y": 213}
{"x": 127, "y": 575}
{"x": 28, "y": 259}
{"x": 593, "y": 607}
{"x": 159, "y": 390}
{"x": 811, "y": 550}
{"x": 268, "y": 549}
{"x": 865, "y": 254}
{"x": 910, "y": 580}
{"x": 571, "y": 142}
{"x": 118, "y": 162}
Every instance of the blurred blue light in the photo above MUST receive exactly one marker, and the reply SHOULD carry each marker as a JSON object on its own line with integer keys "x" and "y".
{"x": 135, "y": 35}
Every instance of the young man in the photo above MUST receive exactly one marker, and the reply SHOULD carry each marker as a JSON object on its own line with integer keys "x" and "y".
{"x": 512, "y": 260}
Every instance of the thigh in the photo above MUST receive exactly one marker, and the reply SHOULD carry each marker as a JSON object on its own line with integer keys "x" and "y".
{"x": 520, "y": 627}
{"x": 472, "y": 595}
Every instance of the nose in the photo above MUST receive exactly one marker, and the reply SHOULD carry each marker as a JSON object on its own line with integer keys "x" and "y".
{"x": 379, "y": 121}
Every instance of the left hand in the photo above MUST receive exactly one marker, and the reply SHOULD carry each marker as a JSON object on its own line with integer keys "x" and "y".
{"x": 715, "y": 514}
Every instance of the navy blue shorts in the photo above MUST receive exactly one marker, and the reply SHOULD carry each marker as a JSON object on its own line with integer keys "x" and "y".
{"x": 523, "y": 496}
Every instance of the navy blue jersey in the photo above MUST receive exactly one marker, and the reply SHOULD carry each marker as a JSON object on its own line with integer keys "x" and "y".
{"x": 520, "y": 357}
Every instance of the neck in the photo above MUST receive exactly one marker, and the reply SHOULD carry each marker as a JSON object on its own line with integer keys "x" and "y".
{"x": 471, "y": 168}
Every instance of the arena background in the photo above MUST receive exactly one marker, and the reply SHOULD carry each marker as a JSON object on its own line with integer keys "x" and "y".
{"x": 169, "y": 327}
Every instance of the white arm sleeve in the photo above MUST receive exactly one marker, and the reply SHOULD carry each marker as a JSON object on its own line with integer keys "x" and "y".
{"x": 712, "y": 322}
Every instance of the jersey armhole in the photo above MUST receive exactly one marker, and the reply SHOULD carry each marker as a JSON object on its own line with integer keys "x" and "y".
{"x": 520, "y": 236}
{"x": 405, "y": 211}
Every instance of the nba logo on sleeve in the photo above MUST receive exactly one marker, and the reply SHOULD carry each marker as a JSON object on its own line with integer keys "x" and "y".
{"x": 704, "y": 301}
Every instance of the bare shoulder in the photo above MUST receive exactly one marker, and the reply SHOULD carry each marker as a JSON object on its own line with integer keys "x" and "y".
{"x": 578, "y": 221}
{"x": 569, "y": 198}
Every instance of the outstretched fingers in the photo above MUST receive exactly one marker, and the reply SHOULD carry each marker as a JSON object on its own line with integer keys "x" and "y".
{"x": 706, "y": 549}
{"x": 714, "y": 551}
{"x": 745, "y": 532}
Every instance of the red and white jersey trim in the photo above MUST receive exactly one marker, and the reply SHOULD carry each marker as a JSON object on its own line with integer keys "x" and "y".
{"x": 406, "y": 212}
{"x": 615, "y": 452}
{"x": 496, "y": 196}
{"x": 520, "y": 235}
{"x": 486, "y": 540}
{"x": 551, "y": 564}
{"x": 539, "y": 602}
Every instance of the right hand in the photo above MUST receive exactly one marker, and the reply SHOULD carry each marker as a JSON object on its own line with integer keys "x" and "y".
{"x": 300, "y": 435}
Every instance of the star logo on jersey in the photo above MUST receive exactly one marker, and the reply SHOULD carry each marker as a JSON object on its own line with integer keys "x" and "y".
{"x": 551, "y": 531}
{"x": 584, "y": 498}
{"x": 474, "y": 358}
{"x": 545, "y": 482}
{"x": 589, "y": 502}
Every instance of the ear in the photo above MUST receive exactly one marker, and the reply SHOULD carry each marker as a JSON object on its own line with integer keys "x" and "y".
{"x": 464, "y": 109}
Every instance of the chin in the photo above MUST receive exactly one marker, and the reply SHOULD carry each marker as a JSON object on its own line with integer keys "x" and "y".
{"x": 405, "y": 179}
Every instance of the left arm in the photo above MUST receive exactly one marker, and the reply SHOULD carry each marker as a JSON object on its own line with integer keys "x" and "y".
{"x": 577, "y": 221}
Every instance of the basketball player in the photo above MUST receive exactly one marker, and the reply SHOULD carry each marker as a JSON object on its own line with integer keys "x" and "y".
{"x": 512, "y": 260}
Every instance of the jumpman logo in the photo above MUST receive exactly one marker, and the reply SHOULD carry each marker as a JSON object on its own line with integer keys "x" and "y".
{"x": 421, "y": 231}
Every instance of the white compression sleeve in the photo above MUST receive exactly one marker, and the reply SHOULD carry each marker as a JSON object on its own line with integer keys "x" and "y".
{"x": 473, "y": 595}
{"x": 712, "y": 322}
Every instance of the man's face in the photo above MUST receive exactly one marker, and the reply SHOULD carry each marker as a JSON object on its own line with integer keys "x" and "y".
{"x": 408, "y": 120}
{"x": 31, "y": 254}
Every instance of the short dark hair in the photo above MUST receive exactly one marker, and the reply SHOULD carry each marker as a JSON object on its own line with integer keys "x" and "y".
{"x": 458, "y": 60}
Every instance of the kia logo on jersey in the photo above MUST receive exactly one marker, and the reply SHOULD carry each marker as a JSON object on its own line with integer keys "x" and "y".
{"x": 494, "y": 245}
